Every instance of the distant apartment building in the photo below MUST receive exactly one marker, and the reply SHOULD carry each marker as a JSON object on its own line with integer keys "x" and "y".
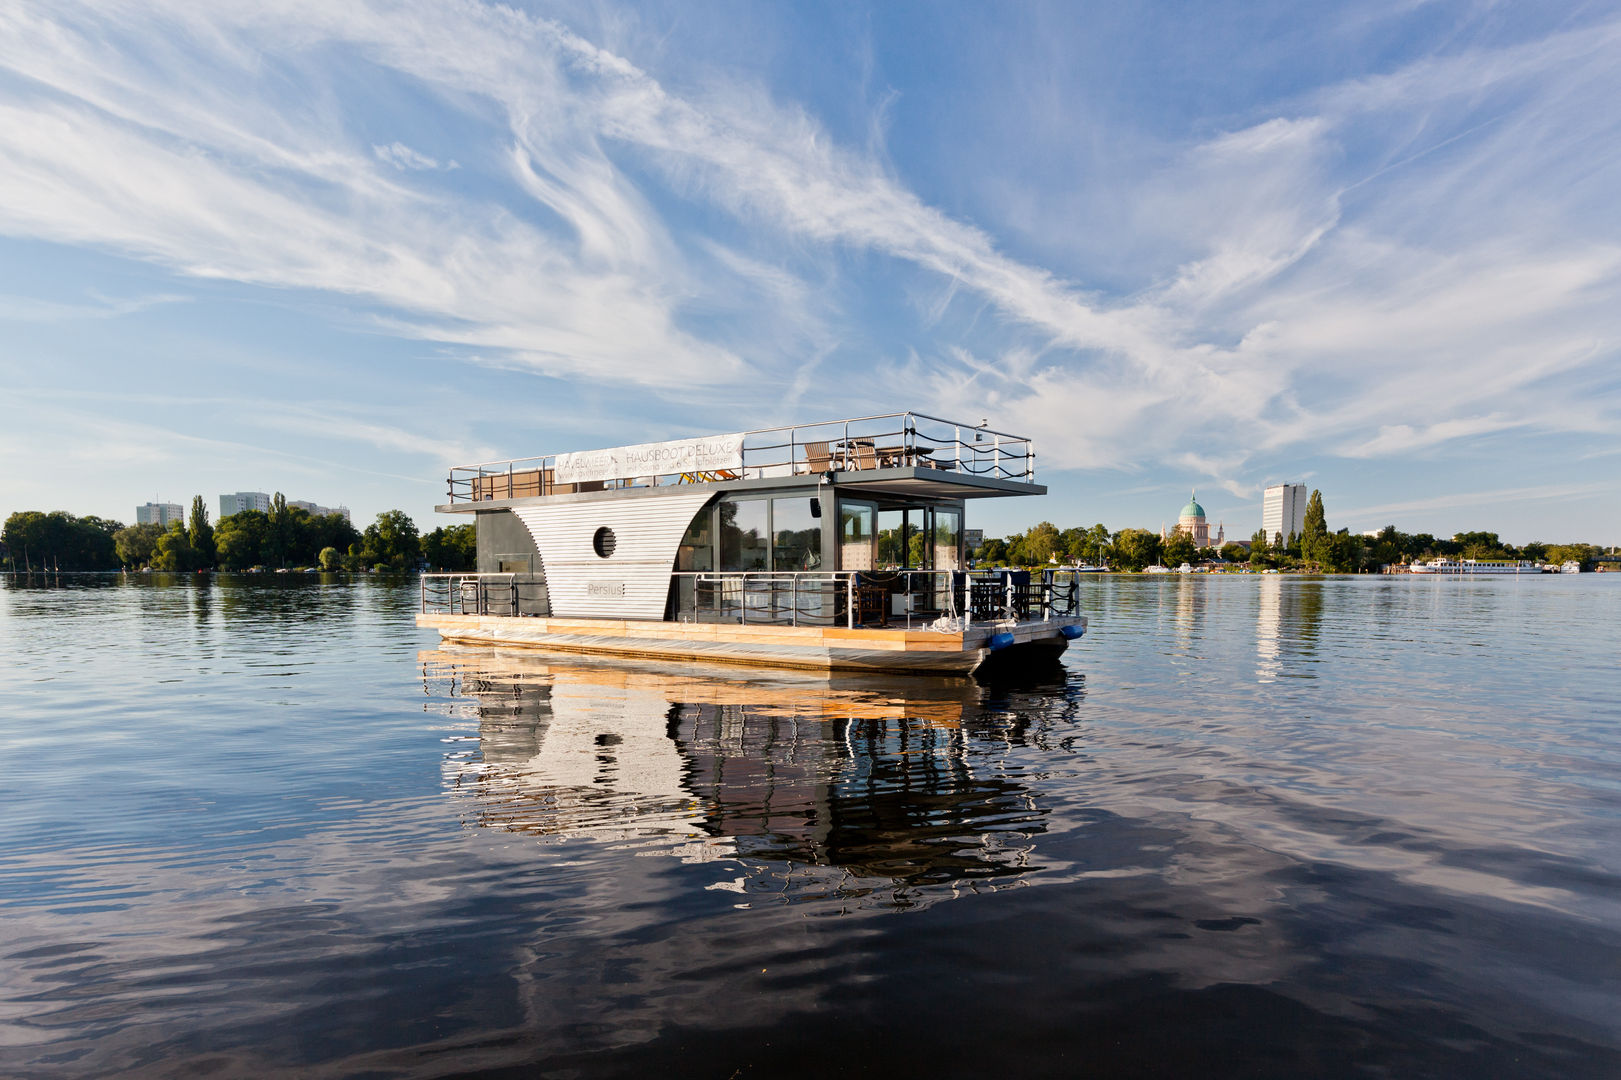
{"x": 159, "y": 514}
{"x": 244, "y": 500}
{"x": 1283, "y": 512}
{"x": 319, "y": 511}
{"x": 259, "y": 500}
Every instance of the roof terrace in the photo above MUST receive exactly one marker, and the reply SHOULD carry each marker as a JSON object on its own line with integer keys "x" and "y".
{"x": 901, "y": 446}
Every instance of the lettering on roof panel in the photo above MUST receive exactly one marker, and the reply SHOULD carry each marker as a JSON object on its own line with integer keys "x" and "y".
{"x": 712, "y": 453}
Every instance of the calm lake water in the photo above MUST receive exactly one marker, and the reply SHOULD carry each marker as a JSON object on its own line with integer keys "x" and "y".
{"x": 1253, "y": 827}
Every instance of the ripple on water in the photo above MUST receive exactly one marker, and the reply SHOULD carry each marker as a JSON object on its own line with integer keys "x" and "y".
{"x": 1260, "y": 827}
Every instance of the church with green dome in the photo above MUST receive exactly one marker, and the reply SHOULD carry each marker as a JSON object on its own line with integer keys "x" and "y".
{"x": 1192, "y": 522}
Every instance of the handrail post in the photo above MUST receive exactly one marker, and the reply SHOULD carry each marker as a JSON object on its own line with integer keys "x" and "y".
{"x": 850, "y": 599}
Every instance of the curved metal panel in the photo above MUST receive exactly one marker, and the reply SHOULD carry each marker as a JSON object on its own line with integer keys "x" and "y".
{"x": 631, "y": 583}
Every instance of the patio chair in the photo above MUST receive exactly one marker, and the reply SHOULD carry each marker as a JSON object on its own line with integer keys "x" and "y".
{"x": 818, "y": 457}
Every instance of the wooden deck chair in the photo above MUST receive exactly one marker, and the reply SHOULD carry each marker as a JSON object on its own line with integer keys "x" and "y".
{"x": 818, "y": 458}
{"x": 866, "y": 454}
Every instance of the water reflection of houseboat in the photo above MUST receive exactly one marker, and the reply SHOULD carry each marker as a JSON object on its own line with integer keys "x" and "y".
{"x": 825, "y": 546}
{"x": 859, "y": 784}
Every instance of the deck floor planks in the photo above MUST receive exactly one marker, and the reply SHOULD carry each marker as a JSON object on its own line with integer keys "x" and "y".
{"x": 808, "y": 647}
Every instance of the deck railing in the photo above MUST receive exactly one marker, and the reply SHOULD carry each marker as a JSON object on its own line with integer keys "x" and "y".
{"x": 860, "y": 443}
{"x": 472, "y": 594}
{"x": 910, "y": 599}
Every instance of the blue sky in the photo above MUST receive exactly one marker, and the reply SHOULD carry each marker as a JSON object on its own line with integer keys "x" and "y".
{"x": 333, "y": 249}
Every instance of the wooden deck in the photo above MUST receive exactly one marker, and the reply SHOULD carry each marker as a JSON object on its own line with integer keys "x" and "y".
{"x": 815, "y": 648}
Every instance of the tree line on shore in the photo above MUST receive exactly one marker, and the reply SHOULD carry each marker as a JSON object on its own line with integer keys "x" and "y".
{"x": 1314, "y": 548}
{"x": 287, "y": 537}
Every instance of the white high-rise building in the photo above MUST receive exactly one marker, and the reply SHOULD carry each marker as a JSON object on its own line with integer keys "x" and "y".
{"x": 315, "y": 510}
{"x": 160, "y": 514}
{"x": 1283, "y": 512}
{"x": 244, "y": 500}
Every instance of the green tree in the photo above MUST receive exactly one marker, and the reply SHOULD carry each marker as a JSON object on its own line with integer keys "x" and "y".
{"x": 1179, "y": 549}
{"x": 1072, "y": 543}
{"x": 992, "y": 549}
{"x": 1233, "y": 551}
{"x": 1134, "y": 549}
{"x": 201, "y": 535}
{"x": 136, "y": 543}
{"x": 1041, "y": 543}
{"x": 241, "y": 539}
{"x": 326, "y": 531}
{"x": 454, "y": 547}
{"x": 1314, "y": 543}
{"x": 1579, "y": 553}
{"x": 174, "y": 551}
{"x": 1095, "y": 549}
{"x": 279, "y": 535}
{"x": 392, "y": 540}
{"x": 25, "y": 536}
{"x": 60, "y": 541}
{"x": 329, "y": 559}
{"x": 1480, "y": 545}
{"x": 1343, "y": 553}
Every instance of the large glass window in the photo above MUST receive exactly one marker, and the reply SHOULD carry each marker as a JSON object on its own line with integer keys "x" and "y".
{"x": 697, "y": 550}
{"x": 855, "y": 535}
{"x": 744, "y": 535}
{"x": 947, "y": 539}
{"x": 894, "y": 539}
{"x": 796, "y": 533}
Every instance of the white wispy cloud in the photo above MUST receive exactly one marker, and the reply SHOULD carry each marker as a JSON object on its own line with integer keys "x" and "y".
{"x": 1544, "y": 493}
{"x": 1380, "y": 267}
{"x": 37, "y": 309}
{"x": 401, "y": 156}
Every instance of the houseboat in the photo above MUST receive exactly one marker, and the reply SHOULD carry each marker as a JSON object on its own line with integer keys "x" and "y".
{"x": 830, "y": 546}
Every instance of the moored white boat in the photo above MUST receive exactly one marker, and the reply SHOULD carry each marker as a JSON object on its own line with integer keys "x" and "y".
{"x": 1476, "y": 567}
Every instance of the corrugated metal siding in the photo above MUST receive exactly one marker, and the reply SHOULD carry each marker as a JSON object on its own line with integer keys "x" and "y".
{"x": 647, "y": 532}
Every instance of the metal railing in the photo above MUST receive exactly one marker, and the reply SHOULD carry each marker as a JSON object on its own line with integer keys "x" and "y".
{"x": 890, "y": 440}
{"x": 913, "y": 599}
{"x": 909, "y": 599}
{"x": 471, "y": 594}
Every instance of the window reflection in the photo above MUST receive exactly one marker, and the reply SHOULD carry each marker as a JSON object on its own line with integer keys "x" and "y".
{"x": 855, "y": 535}
{"x": 743, "y": 531}
{"x": 796, "y": 532}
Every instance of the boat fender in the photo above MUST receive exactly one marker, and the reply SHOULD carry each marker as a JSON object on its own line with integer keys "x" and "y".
{"x": 1000, "y": 641}
{"x": 1072, "y": 632}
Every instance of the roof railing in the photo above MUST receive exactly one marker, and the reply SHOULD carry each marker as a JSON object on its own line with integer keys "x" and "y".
{"x": 889, "y": 440}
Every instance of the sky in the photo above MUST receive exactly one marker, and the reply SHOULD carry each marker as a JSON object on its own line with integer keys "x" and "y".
{"x": 335, "y": 249}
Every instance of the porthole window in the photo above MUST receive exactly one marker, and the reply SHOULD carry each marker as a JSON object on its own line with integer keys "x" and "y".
{"x": 603, "y": 542}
